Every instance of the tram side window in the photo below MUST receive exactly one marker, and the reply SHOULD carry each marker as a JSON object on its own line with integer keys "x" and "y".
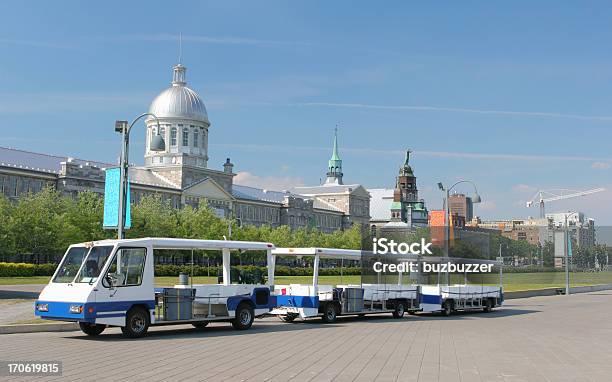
{"x": 127, "y": 267}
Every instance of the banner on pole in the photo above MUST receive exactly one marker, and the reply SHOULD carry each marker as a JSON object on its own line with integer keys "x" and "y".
{"x": 112, "y": 187}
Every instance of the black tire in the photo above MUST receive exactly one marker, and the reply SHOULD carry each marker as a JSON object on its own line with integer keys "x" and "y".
{"x": 91, "y": 329}
{"x": 244, "y": 317}
{"x": 136, "y": 323}
{"x": 289, "y": 317}
{"x": 200, "y": 325}
{"x": 447, "y": 308}
{"x": 329, "y": 314}
{"x": 488, "y": 307}
{"x": 400, "y": 309}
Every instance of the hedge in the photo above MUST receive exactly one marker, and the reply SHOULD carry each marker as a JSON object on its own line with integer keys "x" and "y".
{"x": 281, "y": 270}
{"x": 529, "y": 269}
{"x": 27, "y": 270}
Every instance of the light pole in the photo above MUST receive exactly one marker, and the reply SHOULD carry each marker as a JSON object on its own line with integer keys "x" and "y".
{"x": 157, "y": 144}
{"x": 475, "y": 199}
{"x": 566, "y": 237}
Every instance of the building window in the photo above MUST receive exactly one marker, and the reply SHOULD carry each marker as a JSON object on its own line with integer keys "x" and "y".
{"x": 203, "y": 137}
{"x": 185, "y": 137}
{"x": 173, "y": 136}
{"x": 196, "y": 135}
{"x": 162, "y": 133}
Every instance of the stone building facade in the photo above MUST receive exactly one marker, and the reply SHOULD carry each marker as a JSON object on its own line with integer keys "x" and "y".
{"x": 352, "y": 200}
{"x": 180, "y": 173}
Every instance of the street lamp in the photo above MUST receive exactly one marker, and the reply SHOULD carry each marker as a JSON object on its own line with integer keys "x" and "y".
{"x": 157, "y": 144}
{"x": 475, "y": 199}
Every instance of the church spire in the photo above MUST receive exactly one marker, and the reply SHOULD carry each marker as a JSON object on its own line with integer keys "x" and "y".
{"x": 334, "y": 167}
{"x": 335, "y": 155}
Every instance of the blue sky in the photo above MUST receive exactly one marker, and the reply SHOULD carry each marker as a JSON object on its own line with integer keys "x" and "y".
{"x": 515, "y": 97}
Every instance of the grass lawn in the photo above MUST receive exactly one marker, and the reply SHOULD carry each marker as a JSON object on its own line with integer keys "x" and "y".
{"x": 24, "y": 280}
{"x": 512, "y": 281}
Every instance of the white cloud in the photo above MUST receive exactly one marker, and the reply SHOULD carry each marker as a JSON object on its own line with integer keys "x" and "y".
{"x": 437, "y": 154}
{"x": 214, "y": 39}
{"x": 272, "y": 183}
{"x": 45, "y": 102}
{"x": 600, "y": 165}
{"x": 454, "y": 110}
{"x": 523, "y": 188}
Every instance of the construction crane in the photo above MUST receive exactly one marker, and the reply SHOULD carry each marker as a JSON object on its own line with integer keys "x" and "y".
{"x": 545, "y": 196}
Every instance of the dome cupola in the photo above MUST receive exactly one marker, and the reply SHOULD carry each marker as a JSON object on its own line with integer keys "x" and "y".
{"x": 183, "y": 124}
{"x": 179, "y": 101}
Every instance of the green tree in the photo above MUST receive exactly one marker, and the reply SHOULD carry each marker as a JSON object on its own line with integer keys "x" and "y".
{"x": 83, "y": 219}
{"x": 36, "y": 224}
{"x": 153, "y": 217}
{"x": 6, "y": 238}
{"x": 200, "y": 223}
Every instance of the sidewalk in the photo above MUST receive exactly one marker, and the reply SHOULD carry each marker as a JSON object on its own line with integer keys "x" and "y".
{"x": 26, "y": 291}
{"x": 16, "y": 310}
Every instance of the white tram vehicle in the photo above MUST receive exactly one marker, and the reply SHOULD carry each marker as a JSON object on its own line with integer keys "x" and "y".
{"x": 111, "y": 283}
{"x": 328, "y": 301}
{"x": 448, "y": 293}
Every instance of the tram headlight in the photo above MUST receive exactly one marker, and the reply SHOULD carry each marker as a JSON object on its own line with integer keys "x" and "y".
{"x": 76, "y": 309}
{"x": 42, "y": 307}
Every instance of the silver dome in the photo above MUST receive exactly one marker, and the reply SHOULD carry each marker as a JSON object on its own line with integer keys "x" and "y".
{"x": 179, "y": 101}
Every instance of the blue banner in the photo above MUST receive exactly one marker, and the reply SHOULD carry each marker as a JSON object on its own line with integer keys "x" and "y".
{"x": 112, "y": 187}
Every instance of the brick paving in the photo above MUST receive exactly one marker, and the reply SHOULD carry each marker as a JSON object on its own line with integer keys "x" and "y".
{"x": 554, "y": 338}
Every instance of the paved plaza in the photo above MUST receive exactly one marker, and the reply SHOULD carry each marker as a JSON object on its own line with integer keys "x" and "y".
{"x": 553, "y": 338}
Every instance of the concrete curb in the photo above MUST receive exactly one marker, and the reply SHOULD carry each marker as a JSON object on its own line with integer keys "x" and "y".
{"x": 556, "y": 291}
{"x": 36, "y": 328}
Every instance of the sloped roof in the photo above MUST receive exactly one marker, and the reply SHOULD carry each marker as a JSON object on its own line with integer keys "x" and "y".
{"x": 143, "y": 176}
{"x": 326, "y": 189}
{"x": 27, "y": 160}
{"x": 380, "y": 203}
{"x": 258, "y": 194}
{"x": 39, "y": 162}
{"x": 323, "y": 205}
{"x": 262, "y": 195}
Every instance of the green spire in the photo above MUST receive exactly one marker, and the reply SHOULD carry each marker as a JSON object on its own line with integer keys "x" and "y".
{"x": 334, "y": 167}
{"x": 335, "y": 155}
